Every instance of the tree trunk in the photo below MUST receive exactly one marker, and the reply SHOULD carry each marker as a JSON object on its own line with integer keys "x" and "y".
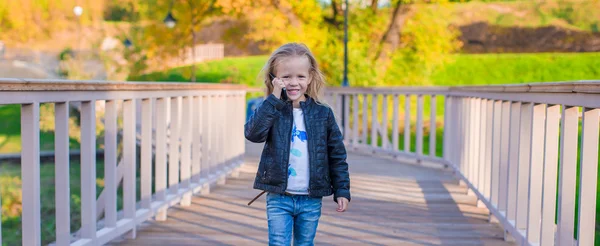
{"x": 391, "y": 38}
{"x": 374, "y": 5}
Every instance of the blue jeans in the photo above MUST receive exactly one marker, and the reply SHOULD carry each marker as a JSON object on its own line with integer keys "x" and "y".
{"x": 292, "y": 213}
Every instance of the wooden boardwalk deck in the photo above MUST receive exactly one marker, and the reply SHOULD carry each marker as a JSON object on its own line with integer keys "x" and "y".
{"x": 393, "y": 204}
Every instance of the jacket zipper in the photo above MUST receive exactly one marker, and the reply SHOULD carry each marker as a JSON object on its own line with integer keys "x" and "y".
{"x": 287, "y": 168}
{"x": 308, "y": 139}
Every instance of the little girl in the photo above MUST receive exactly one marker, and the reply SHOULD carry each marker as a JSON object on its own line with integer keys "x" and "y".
{"x": 304, "y": 158}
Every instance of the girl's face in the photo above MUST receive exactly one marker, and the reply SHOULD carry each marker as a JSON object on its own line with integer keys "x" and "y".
{"x": 294, "y": 72}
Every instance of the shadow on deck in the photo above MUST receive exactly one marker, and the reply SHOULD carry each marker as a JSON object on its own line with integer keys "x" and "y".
{"x": 393, "y": 204}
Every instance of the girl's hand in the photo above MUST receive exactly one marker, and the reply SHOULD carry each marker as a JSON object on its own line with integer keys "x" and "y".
{"x": 278, "y": 86}
{"x": 342, "y": 204}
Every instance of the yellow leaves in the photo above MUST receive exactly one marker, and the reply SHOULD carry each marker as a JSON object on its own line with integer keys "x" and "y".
{"x": 10, "y": 190}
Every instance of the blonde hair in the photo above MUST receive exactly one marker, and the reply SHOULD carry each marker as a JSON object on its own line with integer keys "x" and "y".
{"x": 317, "y": 79}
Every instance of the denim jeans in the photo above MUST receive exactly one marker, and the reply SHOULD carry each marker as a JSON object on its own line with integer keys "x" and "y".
{"x": 292, "y": 213}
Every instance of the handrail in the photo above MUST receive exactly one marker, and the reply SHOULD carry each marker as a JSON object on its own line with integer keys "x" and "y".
{"x": 91, "y": 85}
{"x": 582, "y": 86}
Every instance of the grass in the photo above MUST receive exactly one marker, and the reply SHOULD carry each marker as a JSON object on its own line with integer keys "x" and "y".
{"x": 485, "y": 69}
{"x": 239, "y": 70}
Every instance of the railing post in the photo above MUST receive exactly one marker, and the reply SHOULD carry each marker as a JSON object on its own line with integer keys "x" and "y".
{"x": 550, "y": 173}
{"x": 514, "y": 139}
{"x": 197, "y": 139}
{"x": 186, "y": 145}
{"x": 588, "y": 177}
{"x": 496, "y": 137}
{"x": 365, "y": 128}
{"x": 523, "y": 165}
{"x": 374, "y": 120}
{"x": 355, "y": 136}
{"x": 346, "y": 118}
{"x": 407, "y": 124}
{"x": 130, "y": 160}
{"x": 482, "y": 147}
{"x": 568, "y": 171}
{"x": 88, "y": 170}
{"x": 110, "y": 164}
{"x": 536, "y": 168}
{"x": 448, "y": 127}
{"x": 419, "y": 140}
{"x": 488, "y": 149}
{"x": 61, "y": 170}
{"x": 146, "y": 153}
{"x": 174, "y": 145}
{"x": 30, "y": 175}
{"x": 395, "y": 124}
{"x": 383, "y": 129}
{"x": 160, "y": 175}
{"x": 432, "y": 126}
{"x": 503, "y": 181}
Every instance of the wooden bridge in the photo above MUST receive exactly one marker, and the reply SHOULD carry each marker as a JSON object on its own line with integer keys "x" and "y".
{"x": 497, "y": 178}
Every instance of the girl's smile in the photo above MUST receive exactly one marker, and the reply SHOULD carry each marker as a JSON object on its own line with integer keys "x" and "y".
{"x": 295, "y": 73}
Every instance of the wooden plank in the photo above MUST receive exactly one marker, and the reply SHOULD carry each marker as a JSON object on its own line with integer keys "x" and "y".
{"x": 535, "y": 179}
{"x": 550, "y": 174}
{"x": 110, "y": 164}
{"x": 395, "y": 124}
{"x": 420, "y": 125}
{"x": 365, "y": 115}
{"x": 146, "y": 153}
{"x": 160, "y": 174}
{"x": 407, "y": 123}
{"x": 186, "y": 142}
{"x": 488, "y": 150}
{"x": 568, "y": 171}
{"x": 61, "y": 170}
{"x": 503, "y": 179}
{"x": 448, "y": 120}
{"x": 475, "y": 147}
{"x": 588, "y": 177}
{"x": 347, "y": 130}
{"x": 355, "y": 109}
{"x": 374, "y": 120}
{"x": 88, "y": 170}
{"x": 197, "y": 139}
{"x": 524, "y": 165}
{"x": 174, "y": 144}
{"x": 206, "y": 136}
{"x": 496, "y": 137}
{"x": 384, "y": 123}
{"x": 513, "y": 159}
{"x": 432, "y": 126}
{"x": 30, "y": 174}
{"x": 130, "y": 161}
{"x": 482, "y": 145}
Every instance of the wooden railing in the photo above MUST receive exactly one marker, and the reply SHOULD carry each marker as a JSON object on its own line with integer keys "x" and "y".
{"x": 191, "y": 132}
{"x": 504, "y": 142}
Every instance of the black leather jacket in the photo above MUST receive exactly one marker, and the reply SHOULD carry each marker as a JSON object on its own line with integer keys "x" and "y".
{"x": 272, "y": 123}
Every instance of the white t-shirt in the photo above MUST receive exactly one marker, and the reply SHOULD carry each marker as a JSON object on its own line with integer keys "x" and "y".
{"x": 298, "y": 172}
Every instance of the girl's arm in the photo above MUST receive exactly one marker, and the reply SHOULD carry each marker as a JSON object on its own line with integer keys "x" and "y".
{"x": 257, "y": 127}
{"x": 338, "y": 167}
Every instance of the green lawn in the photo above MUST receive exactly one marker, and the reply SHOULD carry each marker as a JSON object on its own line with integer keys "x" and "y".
{"x": 483, "y": 69}
{"x": 242, "y": 70}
